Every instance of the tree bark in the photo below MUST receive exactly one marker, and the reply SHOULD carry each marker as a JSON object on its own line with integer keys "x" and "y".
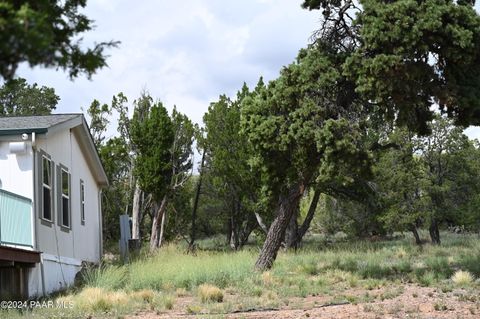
{"x": 155, "y": 234}
{"x": 434, "y": 232}
{"x": 248, "y": 228}
{"x": 308, "y": 219}
{"x": 136, "y": 212}
{"x": 286, "y": 206}
{"x": 418, "y": 241}
{"x": 292, "y": 230}
{"x": 234, "y": 238}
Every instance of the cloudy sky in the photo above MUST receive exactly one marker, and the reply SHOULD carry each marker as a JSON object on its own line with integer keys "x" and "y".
{"x": 185, "y": 53}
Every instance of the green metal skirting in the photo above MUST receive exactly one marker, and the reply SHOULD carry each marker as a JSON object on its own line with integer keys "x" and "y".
{"x": 15, "y": 219}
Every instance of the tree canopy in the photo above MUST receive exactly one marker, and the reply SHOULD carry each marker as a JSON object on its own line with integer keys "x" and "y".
{"x": 48, "y": 33}
{"x": 410, "y": 55}
{"x": 17, "y": 97}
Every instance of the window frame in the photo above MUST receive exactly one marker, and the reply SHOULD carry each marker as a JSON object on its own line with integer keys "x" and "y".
{"x": 82, "y": 202}
{"x": 47, "y": 158}
{"x": 62, "y": 195}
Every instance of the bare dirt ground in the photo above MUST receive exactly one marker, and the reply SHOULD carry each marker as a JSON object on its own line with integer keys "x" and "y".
{"x": 406, "y": 301}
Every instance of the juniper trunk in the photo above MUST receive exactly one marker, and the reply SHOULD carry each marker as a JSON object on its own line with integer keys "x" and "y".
{"x": 414, "y": 230}
{"x": 292, "y": 231}
{"x": 434, "y": 232}
{"x": 286, "y": 206}
{"x": 308, "y": 219}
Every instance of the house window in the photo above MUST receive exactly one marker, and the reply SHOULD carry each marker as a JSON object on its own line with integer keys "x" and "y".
{"x": 65, "y": 201}
{"x": 47, "y": 188}
{"x": 82, "y": 202}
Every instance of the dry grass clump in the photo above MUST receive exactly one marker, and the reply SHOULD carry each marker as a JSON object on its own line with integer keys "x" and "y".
{"x": 146, "y": 295}
{"x": 98, "y": 299}
{"x": 462, "y": 278}
{"x": 181, "y": 292}
{"x": 209, "y": 293}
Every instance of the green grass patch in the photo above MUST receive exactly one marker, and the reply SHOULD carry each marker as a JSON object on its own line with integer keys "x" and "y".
{"x": 221, "y": 279}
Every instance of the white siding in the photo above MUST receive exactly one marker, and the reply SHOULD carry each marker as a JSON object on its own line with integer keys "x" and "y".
{"x": 16, "y": 171}
{"x": 63, "y": 252}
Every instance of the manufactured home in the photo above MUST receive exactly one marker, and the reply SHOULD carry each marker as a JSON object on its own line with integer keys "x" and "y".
{"x": 51, "y": 179}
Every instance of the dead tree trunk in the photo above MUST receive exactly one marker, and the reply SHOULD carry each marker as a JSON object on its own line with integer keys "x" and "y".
{"x": 158, "y": 214}
{"x": 261, "y": 223}
{"x": 136, "y": 212}
{"x": 162, "y": 229}
{"x": 286, "y": 206}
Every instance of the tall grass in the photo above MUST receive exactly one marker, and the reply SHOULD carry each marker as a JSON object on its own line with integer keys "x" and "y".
{"x": 107, "y": 277}
{"x": 152, "y": 281}
{"x": 172, "y": 269}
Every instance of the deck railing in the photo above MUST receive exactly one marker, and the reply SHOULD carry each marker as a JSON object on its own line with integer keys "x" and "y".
{"x": 15, "y": 220}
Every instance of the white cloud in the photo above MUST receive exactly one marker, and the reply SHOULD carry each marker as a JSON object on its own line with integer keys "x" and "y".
{"x": 185, "y": 53}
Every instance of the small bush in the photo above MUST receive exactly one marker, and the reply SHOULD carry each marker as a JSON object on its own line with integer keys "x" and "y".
{"x": 471, "y": 262}
{"x": 440, "y": 267}
{"x": 462, "y": 278}
{"x": 427, "y": 279}
{"x": 209, "y": 293}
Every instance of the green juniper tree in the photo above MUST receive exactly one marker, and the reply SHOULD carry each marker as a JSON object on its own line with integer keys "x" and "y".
{"x": 410, "y": 55}
{"x": 152, "y": 134}
{"x": 48, "y": 33}
{"x": 163, "y": 163}
{"x": 451, "y": 177}
{"x": 401, "y": 178}
{"x": 303, "y": 128}
{"x": 227, "y": 164}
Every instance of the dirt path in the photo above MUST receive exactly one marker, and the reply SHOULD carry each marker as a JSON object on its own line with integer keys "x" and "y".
{"x": 407, "y": 301}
